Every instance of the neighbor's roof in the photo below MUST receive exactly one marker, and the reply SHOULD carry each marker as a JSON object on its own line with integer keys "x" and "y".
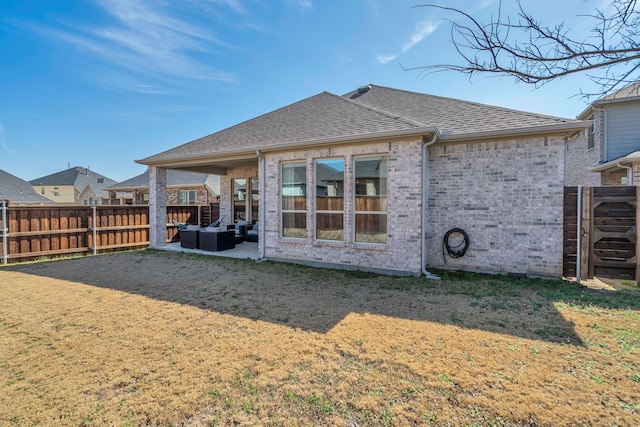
{"x": 79, "y": 177}
{"x": 633, "y": 157}
{"x": 631, "y": 91}
{"x": 17, "y": 190}
{"x": 174, "y": 178}
{"x": 626, "y": 94}
{"x": 376, "y": 112}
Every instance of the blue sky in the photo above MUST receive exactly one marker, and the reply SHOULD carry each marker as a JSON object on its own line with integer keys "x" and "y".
{"x": 101, "y": 83}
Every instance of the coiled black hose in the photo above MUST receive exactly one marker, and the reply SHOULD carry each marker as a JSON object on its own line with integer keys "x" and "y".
{"x": 458, "y": 250}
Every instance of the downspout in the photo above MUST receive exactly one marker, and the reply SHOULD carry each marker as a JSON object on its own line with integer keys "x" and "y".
{"x": 261, "y": 216}
{"x": 425, "y": 188}
{"x": 5, "y": 233}
{"x": 629, "y": 172}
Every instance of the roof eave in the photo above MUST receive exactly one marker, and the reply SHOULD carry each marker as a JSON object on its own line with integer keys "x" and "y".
{"x": 615, "y": 164}
{"x": 532, "y": 130}
{"x": 253, "y": 151}
{"x": 604, "y": 102}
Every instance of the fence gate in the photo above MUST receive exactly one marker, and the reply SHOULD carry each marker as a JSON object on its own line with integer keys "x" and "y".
{"x": 608, "y": 236}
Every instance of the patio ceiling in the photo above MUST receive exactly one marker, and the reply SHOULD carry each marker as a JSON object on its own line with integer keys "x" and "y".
{"x": 214, "y": 166}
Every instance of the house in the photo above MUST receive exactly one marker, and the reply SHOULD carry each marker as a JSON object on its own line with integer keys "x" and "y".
{"x": 19, "y": 192}
{"x": 611, "y": 153}
{"x": 183, "y": 188}
{"x": 375, "y": 179}
{"x": 74, "y": 186}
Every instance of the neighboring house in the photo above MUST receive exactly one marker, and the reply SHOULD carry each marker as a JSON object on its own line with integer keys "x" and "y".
{"x": 74, "y": 186}
{"x": 611, "y": 153}
{"x": 17, "y": 191}
{"x": 183, "y": 188}
{"x": 374, "y": 179}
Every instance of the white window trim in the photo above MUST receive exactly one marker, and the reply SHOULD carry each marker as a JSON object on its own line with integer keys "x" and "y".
{"x": 315, "y": 198}
{"x": 354, "y": 212}
{"x": 294, "y": 211}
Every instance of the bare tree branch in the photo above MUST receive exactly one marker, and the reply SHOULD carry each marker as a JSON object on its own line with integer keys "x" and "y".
{"x": 531, "y": 52}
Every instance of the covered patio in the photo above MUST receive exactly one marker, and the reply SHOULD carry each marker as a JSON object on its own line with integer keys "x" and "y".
{"x": 245, "y": 250}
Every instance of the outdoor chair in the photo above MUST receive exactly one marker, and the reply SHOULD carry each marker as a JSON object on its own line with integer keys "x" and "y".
{"x": 252, "y": 232}
{"x": 180, "y": 225}
{"x": 240, "y": 229}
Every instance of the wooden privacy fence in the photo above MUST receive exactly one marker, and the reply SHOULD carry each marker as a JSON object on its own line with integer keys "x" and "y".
{"x": 32, "y": 232}
{"x": 601, "y": 232}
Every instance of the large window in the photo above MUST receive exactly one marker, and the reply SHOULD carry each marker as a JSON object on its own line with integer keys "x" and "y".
{"x": 370, "y": 174}
{"x": 592, "y": 134}
{"x": 187, "y": 197}
{"x": 239, "y": 199}
{"x": 329, "y": 209}
{"x": 294, "y": 199}
{"x": 255, "y": 200}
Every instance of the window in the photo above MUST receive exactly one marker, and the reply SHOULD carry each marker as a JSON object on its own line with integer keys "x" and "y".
{"x": 329, "y": 208}
{"x": 56, "y": 191}
{"x": 255, "y": 199}
{"x": 239, "y": 199}
{"x": 592, "y": 134}
{"x": 293, "y": 192}
{"x": 370, "y": 174}
{"x": 187, "y": 197}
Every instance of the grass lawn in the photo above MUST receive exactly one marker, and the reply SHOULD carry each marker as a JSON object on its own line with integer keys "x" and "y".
{"x": 159, "y": 338}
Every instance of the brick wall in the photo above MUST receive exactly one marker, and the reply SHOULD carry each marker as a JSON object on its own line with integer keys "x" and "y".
{"x": 507, "y": 195}
{"x": 614, "y": 177}
{"x": 580, "y": 158}
{"x": 401, "y": 253}
{"x": 173, "y": 195}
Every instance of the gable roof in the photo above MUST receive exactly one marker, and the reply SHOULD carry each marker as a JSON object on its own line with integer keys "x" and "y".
{"x": 451, "y": 116}
{"x": 372, "y": 112}
{"x": 628, "y": 93}
{"x": 78, "y": 177}
{"x": 17, "y": 190}
{"x": 175, "y": 178}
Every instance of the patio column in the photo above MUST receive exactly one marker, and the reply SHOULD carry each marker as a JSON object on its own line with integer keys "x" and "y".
{"x": 157, "y": 206}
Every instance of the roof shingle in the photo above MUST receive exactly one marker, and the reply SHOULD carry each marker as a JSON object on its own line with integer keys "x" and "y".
{"x": 17, "y": 190}
{"x": 328, "y": 117}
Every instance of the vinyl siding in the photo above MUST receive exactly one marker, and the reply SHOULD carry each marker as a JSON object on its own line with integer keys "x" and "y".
{"x": 623, "y": 130}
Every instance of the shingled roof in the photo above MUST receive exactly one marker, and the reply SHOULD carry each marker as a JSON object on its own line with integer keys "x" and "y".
{"x": 79, "y": 177}
{"x": 17, "y": 190}
{"x": 370, "y": 112}
{"x": 628, "y": 93}
{"x": 175, "y": 178}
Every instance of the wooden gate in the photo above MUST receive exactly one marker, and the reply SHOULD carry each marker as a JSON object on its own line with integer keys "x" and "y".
{"x": 607, "y": 235}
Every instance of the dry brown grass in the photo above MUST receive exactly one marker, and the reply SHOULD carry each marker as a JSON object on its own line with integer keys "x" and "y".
{"x": 152, "y": 338}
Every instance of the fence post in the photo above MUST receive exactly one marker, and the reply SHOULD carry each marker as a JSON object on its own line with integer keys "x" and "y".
{"x": 637, "y": 235}
{"x": 579, "y": 242}
{"x": 5, "y": 233}
{"x": 95, "y": 232}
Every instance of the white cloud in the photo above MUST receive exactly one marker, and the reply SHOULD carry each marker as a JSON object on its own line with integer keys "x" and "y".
{"x": 145, "y": 40}
{"x": 422, "y": 30}
{"x": 303, "y": 5}
{"x": 384, "y": 59}
{"x": 2, "y": 141}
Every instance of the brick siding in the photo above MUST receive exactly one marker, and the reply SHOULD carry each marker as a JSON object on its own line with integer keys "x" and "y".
{"x": 507, "y": 195}
{"x": 580, "y": 158}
